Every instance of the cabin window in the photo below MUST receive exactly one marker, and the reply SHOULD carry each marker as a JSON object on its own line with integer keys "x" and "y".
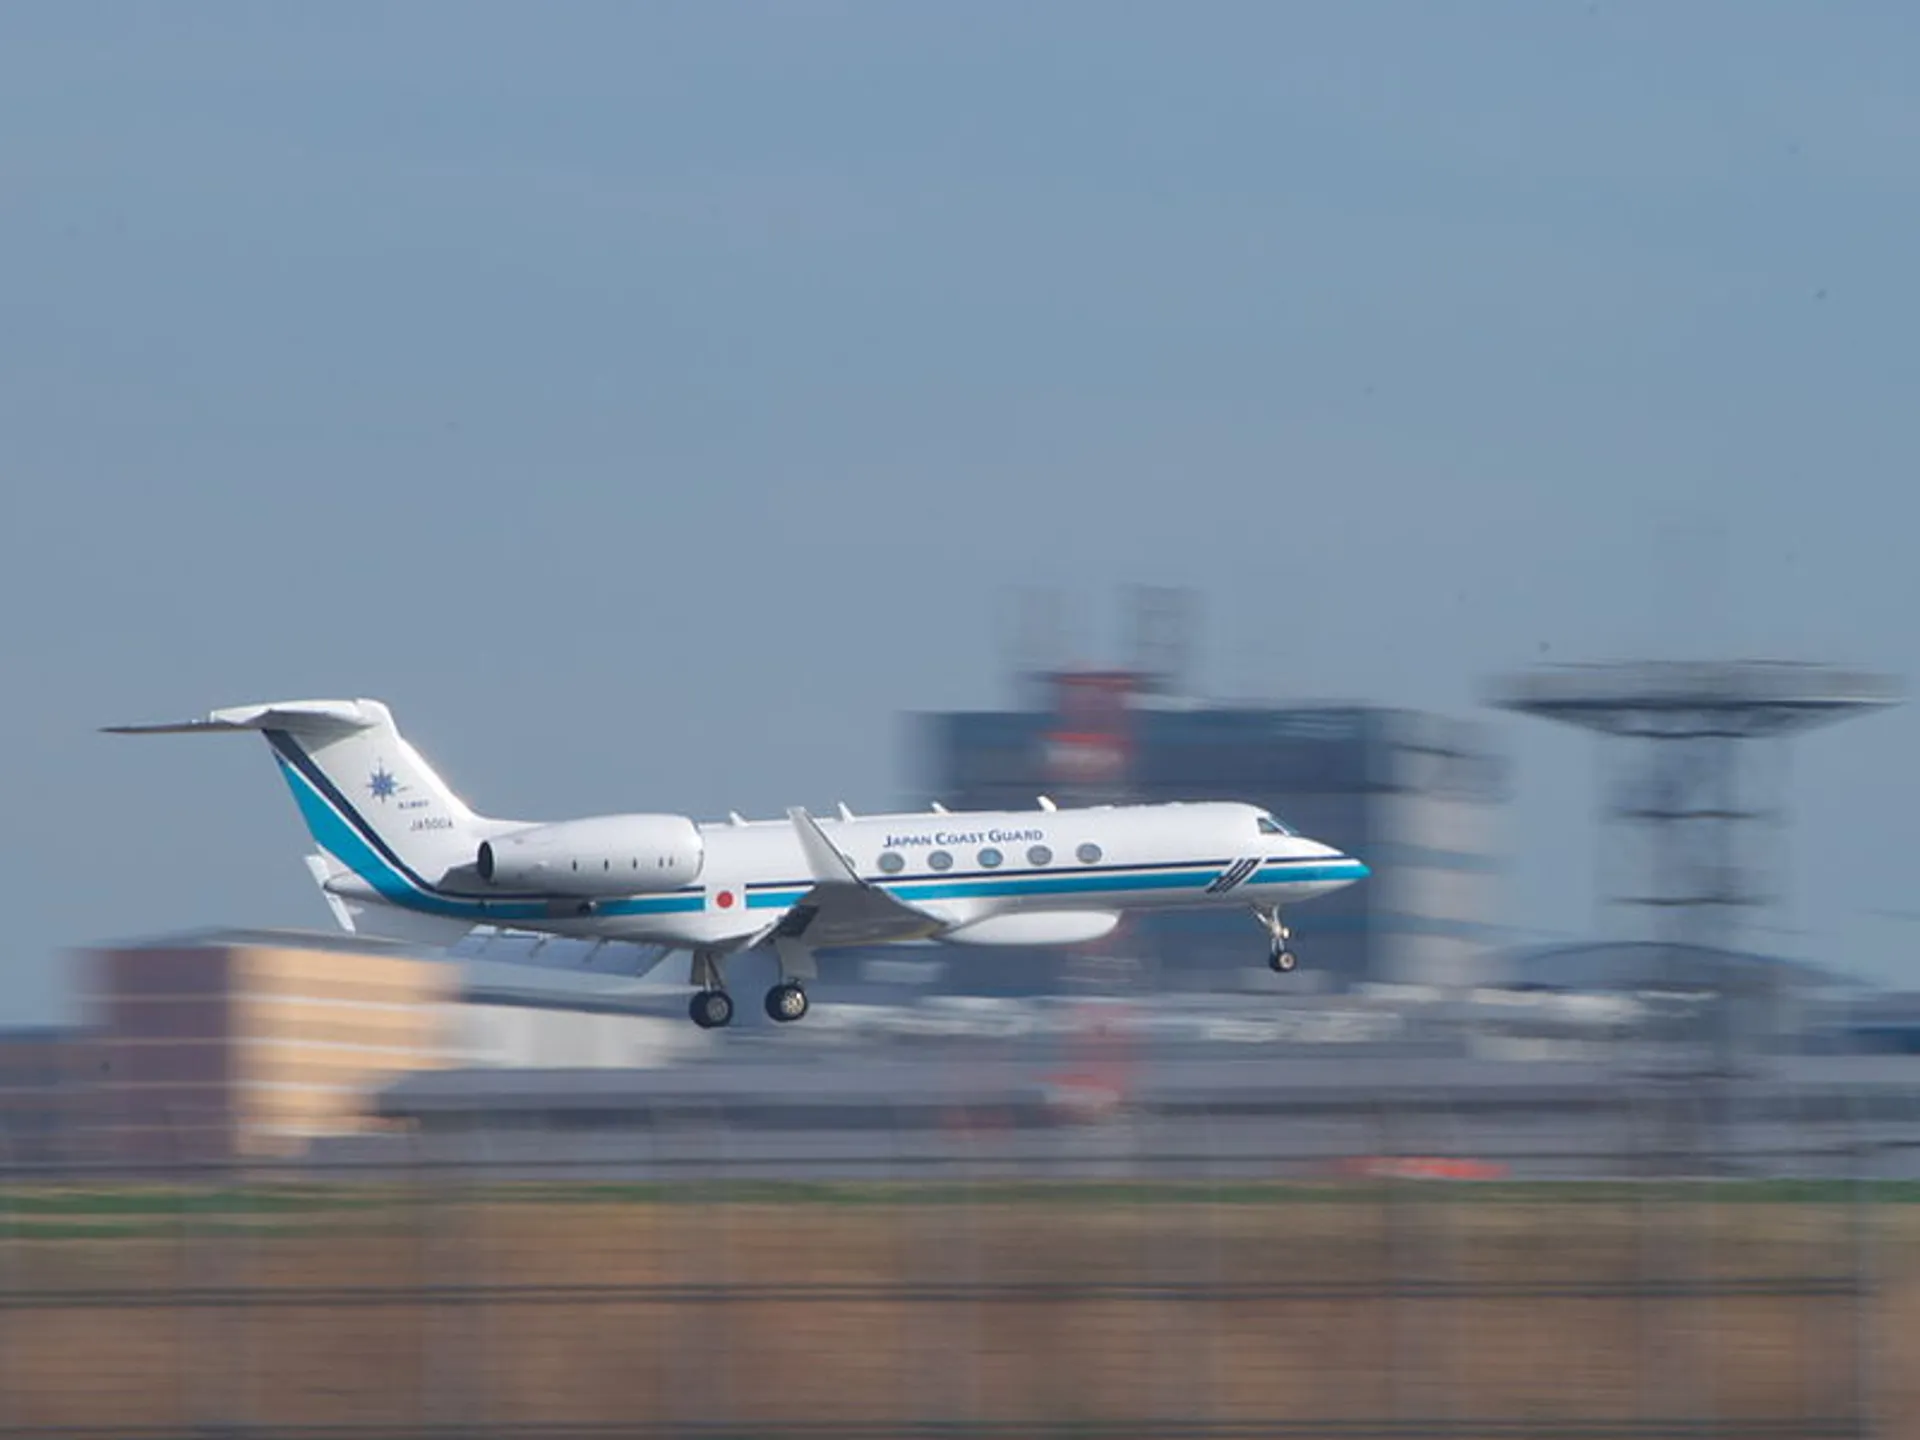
{"x": 990, "y": 858}
{"x": 1039, "y": 855}
{"x": 892, "y": 862}
{"x": 1089, "y": 853}
{"x": 939, "y": 860}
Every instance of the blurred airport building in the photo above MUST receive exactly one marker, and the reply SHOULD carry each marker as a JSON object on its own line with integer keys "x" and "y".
{"x": 216, "y": 1046}
{"x": 46, "y": 1095}
{"x": 237, "y": 1044}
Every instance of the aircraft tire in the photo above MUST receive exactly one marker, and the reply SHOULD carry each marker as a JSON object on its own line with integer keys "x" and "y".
{"x": 787, "y": 1002}
{"x": 711, "y": 1009}
{"x": 1282, "y": 961}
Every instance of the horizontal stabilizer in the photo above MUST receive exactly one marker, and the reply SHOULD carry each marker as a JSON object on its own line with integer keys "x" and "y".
{"x": 298, "y": 716}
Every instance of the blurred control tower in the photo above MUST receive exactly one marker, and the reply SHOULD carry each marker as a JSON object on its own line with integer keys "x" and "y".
{"x": 1694, "y": 766}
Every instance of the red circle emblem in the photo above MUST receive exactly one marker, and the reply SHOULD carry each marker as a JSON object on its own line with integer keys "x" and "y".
{"x": 724, "y": 899}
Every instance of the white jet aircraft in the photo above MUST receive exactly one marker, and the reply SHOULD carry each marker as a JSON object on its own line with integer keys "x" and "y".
{"x": 400, "y": 854}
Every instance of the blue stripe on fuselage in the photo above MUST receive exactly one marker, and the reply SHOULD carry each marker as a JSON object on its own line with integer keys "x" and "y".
{"x": 1117, "y": 881}
{"x": 1319, "y": 874}
{"x": 1012, "y": 887}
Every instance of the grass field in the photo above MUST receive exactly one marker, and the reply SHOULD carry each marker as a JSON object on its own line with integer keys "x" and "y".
{"x": 152, "y": 1306}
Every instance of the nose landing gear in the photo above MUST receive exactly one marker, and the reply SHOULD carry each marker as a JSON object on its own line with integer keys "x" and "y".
{"x": 1280, "y": 959}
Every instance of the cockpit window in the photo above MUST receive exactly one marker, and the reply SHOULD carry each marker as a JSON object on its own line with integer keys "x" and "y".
{"x": 1271, "y": 826}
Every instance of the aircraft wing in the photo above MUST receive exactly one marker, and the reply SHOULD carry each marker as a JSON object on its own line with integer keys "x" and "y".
{"x": 841, "y": 908}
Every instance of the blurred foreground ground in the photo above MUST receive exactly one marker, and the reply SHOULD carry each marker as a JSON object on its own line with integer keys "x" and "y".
{"x": 452, "y": 1306}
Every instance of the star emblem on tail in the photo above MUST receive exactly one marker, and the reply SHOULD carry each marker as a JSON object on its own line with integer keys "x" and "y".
{"x": 381, "y": 784}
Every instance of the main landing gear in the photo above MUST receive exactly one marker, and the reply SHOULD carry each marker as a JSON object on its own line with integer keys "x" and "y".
{"x": 786, "y": 1002}
{"x": 712, "y": 1007}
{"x": 1280, "y": 959}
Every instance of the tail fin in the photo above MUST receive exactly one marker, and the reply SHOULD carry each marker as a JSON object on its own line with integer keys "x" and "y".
{"x": 369, "y": 799}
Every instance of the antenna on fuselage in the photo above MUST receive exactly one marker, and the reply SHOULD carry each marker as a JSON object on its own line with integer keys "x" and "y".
{"x": 938, "y": 808}
{"x": 734, "y": 817}
{"x": 1046, "y": 803}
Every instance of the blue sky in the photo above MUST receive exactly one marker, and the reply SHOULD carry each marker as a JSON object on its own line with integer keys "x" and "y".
{"x": 652, "y": 401}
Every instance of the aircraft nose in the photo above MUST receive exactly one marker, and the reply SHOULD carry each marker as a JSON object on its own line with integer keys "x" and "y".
{"x": 1349, "y": 866}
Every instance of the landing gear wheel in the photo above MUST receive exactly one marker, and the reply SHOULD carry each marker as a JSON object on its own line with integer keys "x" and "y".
{"x": 1279, "y": 958}
{"x": 786, "y": 1002}
{"x": 711, "y": 1009}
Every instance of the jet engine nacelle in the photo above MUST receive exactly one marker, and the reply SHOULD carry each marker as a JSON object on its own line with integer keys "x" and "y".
{"x": 604, "y": 855}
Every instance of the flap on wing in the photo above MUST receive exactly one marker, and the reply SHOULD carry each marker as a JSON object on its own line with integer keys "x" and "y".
{"x": 854, "y": 915}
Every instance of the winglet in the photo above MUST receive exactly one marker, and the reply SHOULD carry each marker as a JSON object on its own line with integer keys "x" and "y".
{"x": 827, "y": 864}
